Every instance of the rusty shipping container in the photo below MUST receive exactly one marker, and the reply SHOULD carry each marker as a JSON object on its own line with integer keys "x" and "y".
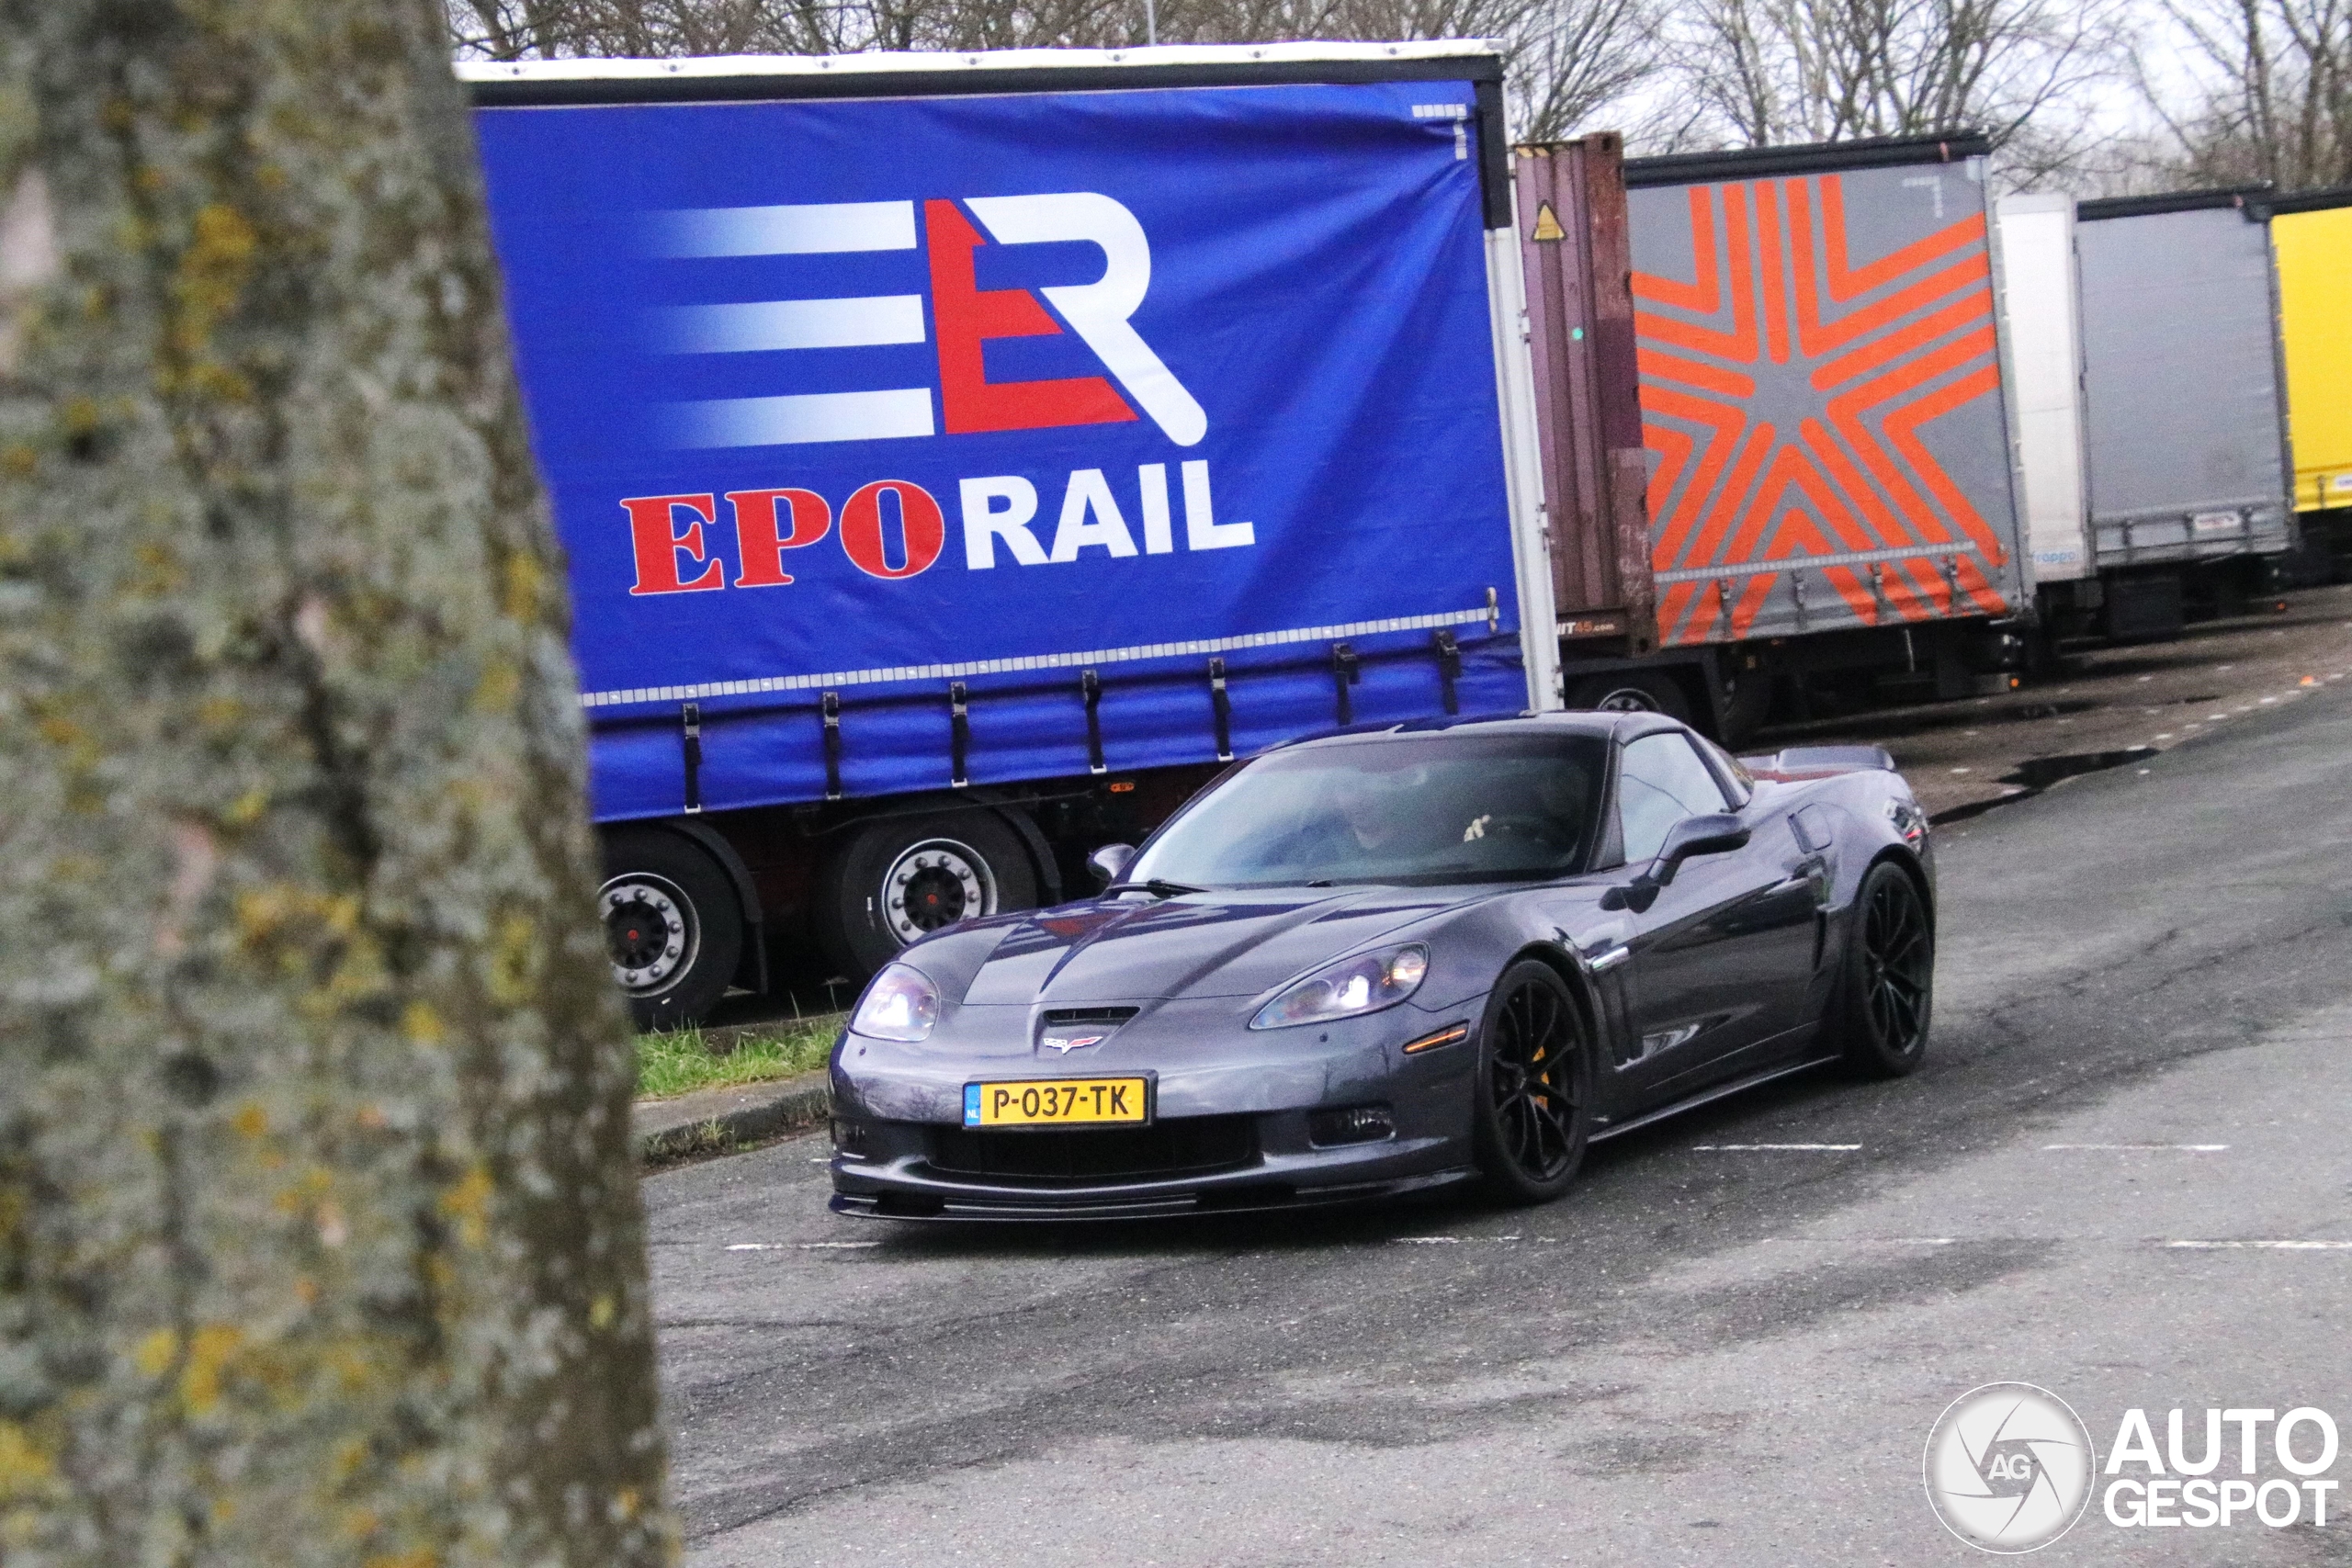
{"x": 1821, "y": 391}
{"x": 1581, "y": 331}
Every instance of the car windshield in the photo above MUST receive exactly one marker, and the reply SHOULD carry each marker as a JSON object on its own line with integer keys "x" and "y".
{"x": 1413, "y": 810}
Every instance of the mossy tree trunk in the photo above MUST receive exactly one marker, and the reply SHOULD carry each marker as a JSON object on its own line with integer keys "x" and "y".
{"x": 318, "y": 1230}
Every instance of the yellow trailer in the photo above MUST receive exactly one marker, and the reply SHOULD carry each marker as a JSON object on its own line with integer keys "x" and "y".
{"x": 2311, "y": 238}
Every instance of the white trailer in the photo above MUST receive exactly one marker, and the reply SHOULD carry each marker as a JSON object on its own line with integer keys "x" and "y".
{"x": 2045, "y": 342}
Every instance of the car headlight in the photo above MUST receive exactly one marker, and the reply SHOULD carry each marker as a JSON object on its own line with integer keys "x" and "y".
{"x": 1354, "y": 985}
{"x": 901, "y": 1004}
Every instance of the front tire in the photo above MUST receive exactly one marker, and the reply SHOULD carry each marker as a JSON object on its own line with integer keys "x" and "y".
{"x": 1886, "y": 997}
{"x": 673, "y": 928}
{"x": 896, "y": 879}
{"x": 1531, "y": 1116}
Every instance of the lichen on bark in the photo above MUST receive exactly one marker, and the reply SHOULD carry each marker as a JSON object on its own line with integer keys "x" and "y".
{"x": 319, "y": 1231}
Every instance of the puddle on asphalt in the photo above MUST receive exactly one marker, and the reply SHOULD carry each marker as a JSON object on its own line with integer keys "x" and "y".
{"x": 2038, "y": 774}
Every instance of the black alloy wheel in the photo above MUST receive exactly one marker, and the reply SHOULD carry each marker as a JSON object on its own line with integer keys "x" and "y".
{"x": 1890, "y": 975}
{"x": 1532, "y": 1115}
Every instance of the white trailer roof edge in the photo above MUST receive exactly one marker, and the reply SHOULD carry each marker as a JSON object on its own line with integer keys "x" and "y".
{"x": 878, "y": 62}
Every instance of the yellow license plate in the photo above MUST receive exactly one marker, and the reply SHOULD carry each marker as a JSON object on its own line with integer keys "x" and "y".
{"x": 1055, "y": 1102}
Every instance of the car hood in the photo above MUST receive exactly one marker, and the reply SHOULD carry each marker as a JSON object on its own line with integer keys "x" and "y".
{"x": 1201, "y": 944}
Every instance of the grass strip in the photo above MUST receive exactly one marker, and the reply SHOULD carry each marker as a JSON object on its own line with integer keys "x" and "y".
{"x": 679, "y": 1061}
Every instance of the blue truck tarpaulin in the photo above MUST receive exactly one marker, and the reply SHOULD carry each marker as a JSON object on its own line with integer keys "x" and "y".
{"x": 861, "y": 404}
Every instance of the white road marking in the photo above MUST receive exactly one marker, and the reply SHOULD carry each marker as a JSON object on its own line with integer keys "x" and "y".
{"x": 801, "y": 1246}
{"x": 2264, "y": 1245}
{"x": 1862, "y": 1240}
{"x": 2186, "y": 1148}
{"x": 1751, "y": 1148}
{"x": 1428, "y": 1240}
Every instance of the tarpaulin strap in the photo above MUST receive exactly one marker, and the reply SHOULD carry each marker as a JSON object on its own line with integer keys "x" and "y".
{"x": 1449, "y": 667}
{"x": 1223, "y": 707}
{"x": 832, "y": 711}
{"x": 955, "y": 712}
{"x": 1092, "y": 684}
{"x": 693, "y": 719}
{"x": 1345, "y": 674}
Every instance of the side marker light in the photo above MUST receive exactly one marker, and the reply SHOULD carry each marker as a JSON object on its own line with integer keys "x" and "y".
{"x": 1451, "y": 1035}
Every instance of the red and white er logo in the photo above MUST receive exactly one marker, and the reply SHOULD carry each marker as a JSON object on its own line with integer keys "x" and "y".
{"x": 893, "y": 528}
{"x": 966, "y": 316}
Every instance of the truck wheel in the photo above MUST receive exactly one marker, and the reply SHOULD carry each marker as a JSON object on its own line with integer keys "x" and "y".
{"x": 673, "y": 928}
{"x": 1746, "y": 706}
{"x": 1633, "y": 690}
{"x": 898, "y": 879}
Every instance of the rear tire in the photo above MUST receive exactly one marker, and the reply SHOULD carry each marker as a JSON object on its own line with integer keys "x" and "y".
{"x": 896, "y": 879}
{"x": 1633, "y": 690}
{"x": 673, "y": 927}
{"x": 1885, "y": 998}
{"x": 1530, "y": 1114}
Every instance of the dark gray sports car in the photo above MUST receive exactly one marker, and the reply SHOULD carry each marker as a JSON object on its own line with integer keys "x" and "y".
{"x": 1387, "y": 959}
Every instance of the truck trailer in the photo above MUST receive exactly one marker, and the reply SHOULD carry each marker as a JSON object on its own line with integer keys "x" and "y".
{"x": 2039, "y": 307}
{"x": 961, "y": 458}
{"x": 1826, "y": 486}
{"x": 2311, "y": 242}
{"x": 2187, "y": 462}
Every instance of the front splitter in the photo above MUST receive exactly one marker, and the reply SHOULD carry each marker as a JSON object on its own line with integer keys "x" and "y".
{"x": 1242, "y": 1199}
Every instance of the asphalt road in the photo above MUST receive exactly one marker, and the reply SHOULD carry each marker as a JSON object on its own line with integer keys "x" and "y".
{"x": 2105, "y": 698}
{"x": 1705, "y": 1354}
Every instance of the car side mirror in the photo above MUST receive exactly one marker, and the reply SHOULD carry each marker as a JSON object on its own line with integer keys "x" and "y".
{"x": 1718, "y": 833}
{"x": 1109, "y": 861}
{"x": 1715, "y": 833}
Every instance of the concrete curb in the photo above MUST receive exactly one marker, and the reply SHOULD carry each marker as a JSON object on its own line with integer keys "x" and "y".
{"x": 714, "y": 1121}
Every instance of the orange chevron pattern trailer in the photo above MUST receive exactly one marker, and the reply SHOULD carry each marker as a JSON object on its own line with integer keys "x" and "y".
{"x": 1821, "y": 390}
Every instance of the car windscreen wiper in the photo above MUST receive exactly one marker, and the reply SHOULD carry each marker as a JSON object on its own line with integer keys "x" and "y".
{"x": 1163, "y": 889}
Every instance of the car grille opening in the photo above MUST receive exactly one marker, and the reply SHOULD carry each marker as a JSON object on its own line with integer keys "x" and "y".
{"x": 1187, "y": 1146}
{"x": 1110, "y": 1016}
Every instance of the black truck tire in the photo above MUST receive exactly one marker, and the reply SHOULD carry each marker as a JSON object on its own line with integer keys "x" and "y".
{"x": 1633, "y": 690}
{"x": 673, "y": 927}
{"x": 895, "y": 879}
{"x": 1746, "y": 704}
